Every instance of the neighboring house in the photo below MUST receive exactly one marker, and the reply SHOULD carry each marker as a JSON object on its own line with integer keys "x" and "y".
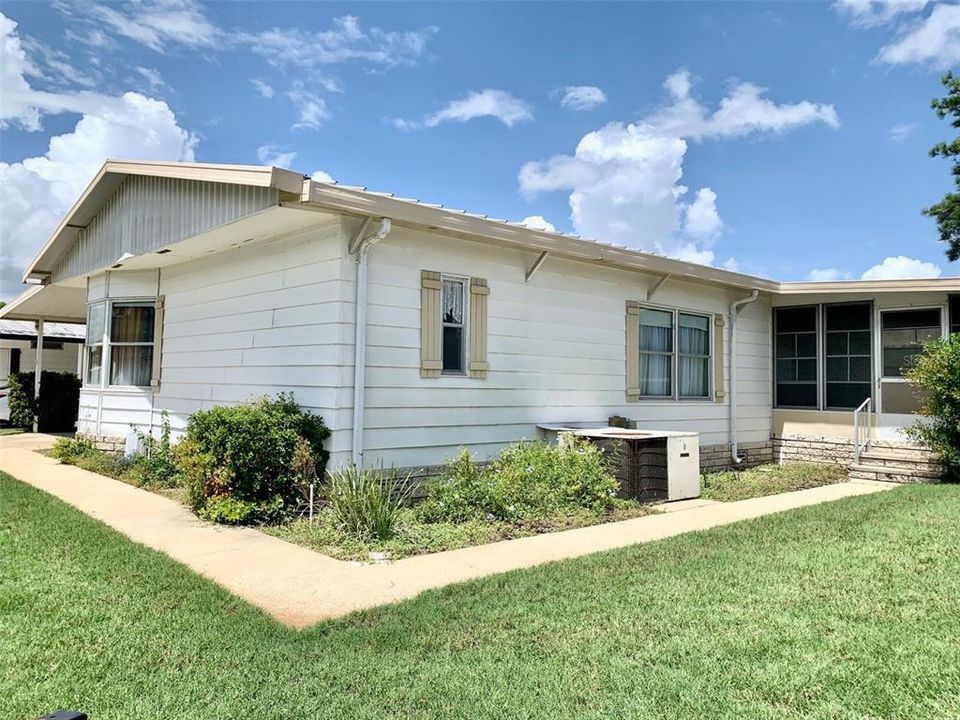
{"x": 209, "y": 284}
{"x": 18, "y": 347}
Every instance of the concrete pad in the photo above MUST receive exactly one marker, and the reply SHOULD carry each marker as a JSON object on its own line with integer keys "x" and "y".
{"x": 300, "y": 587}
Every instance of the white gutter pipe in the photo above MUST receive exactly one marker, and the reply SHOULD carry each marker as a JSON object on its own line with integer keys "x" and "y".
{"x": 360, "y": 337}
{"x": 734, "y": 311}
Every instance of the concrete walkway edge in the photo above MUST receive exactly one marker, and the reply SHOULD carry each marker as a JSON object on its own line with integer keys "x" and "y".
{"x": 300, "y": 587}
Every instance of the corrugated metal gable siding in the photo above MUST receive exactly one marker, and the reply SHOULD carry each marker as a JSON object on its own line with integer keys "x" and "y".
{"x": 147, "y": 213}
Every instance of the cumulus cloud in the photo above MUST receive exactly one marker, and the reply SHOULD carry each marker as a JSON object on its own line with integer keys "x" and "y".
{"x": 271, "y": 154}
{"x": 538, "y": 222}
{"x": 321, "y": 176}
{"x": 901, "y": 267}
{"x": 497, "y": 104}
{"x": 582, "y": 97}
{"x": 37, "y": 191}
{"x": 624, "y": 178}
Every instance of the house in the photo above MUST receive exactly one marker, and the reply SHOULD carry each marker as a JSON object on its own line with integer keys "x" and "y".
{"x": 415, "y": 329}
{"x": 18, "y": 347}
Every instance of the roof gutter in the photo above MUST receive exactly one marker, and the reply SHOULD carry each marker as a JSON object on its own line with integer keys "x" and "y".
{"x": 361, "y": 250}
{"x": 734, "y": 311}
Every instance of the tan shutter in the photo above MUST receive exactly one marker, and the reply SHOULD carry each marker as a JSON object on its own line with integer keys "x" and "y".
{"x": 478, "y": 328}
{"x": 157, "y": 342}
{"x": 633, "y": 350}
{"x": 718, "y": 388}
{"x": 431, "y": 288}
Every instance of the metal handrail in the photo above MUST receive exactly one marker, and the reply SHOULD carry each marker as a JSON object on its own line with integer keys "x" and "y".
{"x": 863, "y": 429}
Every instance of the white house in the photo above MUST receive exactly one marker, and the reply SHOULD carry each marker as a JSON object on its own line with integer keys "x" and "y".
{"x": 18, "y": 347}
{"x": 415, "y": 329}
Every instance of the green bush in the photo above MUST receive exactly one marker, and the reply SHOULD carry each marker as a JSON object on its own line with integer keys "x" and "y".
{"x": 155, "y": 465}
{"x": 59, "y": 400}
{"x": 366, "y": 502}
{"x": 84, "y": 455}
{"x": 527, "y": 481}
{"x": 936, "y": 373}
{"x": 246, "y": 453}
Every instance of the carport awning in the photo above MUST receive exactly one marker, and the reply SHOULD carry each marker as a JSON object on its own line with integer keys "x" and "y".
{"x": 51, "y": 302}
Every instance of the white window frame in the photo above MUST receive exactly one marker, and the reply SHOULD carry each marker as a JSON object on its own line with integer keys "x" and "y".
{"x": 106, "y": 343}
{"x": 464, "y": 326}
{"x": 675, "y": 355}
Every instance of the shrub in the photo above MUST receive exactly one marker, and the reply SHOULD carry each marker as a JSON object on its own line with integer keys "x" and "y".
{"x": 84, "y": 455}
{"x": 366, "y": 502}
{"x": 59, "y": 400}
{"x": 936, "y": 373}
{"x": 245, "y": 452}
{"x": 527, "y": 481}
{"x": 155, "y": 465}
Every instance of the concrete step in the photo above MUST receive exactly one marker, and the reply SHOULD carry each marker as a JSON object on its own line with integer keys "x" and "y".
{"x": 906, "y": 461}
{"x": 892, "y": 475}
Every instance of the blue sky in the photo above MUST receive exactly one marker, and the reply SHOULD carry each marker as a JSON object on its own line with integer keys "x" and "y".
{"x": 785, "y": 139}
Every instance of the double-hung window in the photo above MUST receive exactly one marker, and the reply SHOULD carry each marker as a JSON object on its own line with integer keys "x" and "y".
{"x": 674, "y": 354}
{"x": 453, "y": 323}
{"x": 120, "y": 352}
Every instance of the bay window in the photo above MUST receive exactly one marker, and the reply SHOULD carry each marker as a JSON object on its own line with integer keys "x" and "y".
{"x": 94, "y": 345}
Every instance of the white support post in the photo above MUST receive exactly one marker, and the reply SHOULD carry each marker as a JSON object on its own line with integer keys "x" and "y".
{"x": 37, "y": 371}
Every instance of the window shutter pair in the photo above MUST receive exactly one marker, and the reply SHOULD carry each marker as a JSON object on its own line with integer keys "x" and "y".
{"x": 431, "y": 352}
{"x": 157, "y": 342}
{"x": 718, "y": 388}
{"x": 633, "y": 350}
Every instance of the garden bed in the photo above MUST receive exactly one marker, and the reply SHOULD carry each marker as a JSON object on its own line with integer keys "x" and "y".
{"x": 732, "y": 485}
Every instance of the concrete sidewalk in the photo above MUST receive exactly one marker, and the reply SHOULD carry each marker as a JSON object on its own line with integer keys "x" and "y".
{"x": 300, "y": 587}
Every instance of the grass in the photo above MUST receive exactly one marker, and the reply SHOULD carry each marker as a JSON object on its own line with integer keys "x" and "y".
{"x": 11, "y": 431}
{"x": 732, "y": 485}
{"x": 846, "y": 611}
{"x": 414, "y": 537}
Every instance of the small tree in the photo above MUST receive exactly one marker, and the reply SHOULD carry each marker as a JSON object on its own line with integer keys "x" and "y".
{"x": 936, "y": 372}
{"x": 947, "y": 211}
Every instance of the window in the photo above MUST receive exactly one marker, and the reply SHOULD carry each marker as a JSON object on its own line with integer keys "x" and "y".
{"x": 121, "y": 352}
{"x": 955, "y": 313}
{"x": 848, "y": 356}
{"x": 14, "y": 360}
{"x": 452, "y": 322}
{"x": 693, "y": 344}
{"x": 796, "y": 357}
{"x": 674, "y": 352}
{"x": 95, "y": 334}
{"x": 656, "y": 353}
{"x": 902, "y": 337}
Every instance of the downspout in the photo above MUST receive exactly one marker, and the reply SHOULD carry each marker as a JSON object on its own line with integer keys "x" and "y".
{"x": 360, "y": 338}
{"x": 734, "y": 311}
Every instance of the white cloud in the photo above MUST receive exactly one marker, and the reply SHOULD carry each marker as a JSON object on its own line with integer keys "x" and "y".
{"x": 311, "y": 108}
{"x": 270, "y": 154}
{"x": 483, "y": 103}
{"x": 933, "y": 41}
{"x": 538, "y": 222}
{"x": 828, "y": 275}
{"x": 265, "y": 89}
{"x": 893, "y": 268}
{"x": 582, "y": 97}
{"x": 624, "y": 179}
{"x": 37, "y": 191}
{"x": 321, "y": 176}
{"x": 877, "y": 12}
{"x": 901, "y": 131}
{"x": 152, "y": 76}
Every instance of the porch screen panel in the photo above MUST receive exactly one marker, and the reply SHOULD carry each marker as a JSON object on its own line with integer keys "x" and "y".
{"x": 903, "y": 335}
{"x": 796, "y": 357}
{"x": 848, "y": 356}
{"x": 955, "y": 313}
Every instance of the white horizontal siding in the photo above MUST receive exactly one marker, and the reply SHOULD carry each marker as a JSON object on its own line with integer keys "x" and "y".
{"x": 63, "y": 360}
{"x": 555, "y": 348}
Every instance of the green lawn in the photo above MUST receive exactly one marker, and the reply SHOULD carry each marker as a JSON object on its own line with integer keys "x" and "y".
{"x": 731, "y": 485}
{"x": 847, "y": 610}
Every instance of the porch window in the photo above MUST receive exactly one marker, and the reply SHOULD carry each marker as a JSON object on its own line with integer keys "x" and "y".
{"x": 131, "y": 343}
{"x": 796, "y": 357}
{"x": 848, "y": 356}
{"x": 955, "y": 313}
{"x": 94, "y": 343}
{"x": 903, "y": 335}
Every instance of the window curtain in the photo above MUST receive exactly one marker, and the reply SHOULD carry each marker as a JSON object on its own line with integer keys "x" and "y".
{"x": 453, "y": 301}
{"x": 693, "y": 338}
{"x": 131, "y": 364}
{"x": 656, "y": 346}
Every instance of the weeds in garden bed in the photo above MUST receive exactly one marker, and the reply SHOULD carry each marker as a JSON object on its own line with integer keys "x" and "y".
{"x": 732, "y": 485}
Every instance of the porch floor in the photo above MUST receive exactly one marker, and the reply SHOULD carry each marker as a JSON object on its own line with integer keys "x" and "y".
{"x": 300, "y": 587}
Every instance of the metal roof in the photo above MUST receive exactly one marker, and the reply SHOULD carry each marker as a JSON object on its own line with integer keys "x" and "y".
{"x": 53, "y": 330}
